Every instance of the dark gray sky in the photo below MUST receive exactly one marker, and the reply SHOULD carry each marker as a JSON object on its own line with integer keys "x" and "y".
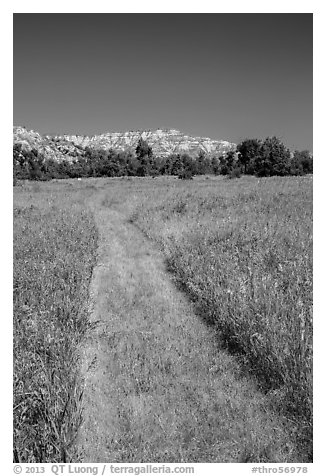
{"x": 224, "y": 76}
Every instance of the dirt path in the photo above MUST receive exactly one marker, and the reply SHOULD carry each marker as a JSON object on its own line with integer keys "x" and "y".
{"x": 159, "y": 389}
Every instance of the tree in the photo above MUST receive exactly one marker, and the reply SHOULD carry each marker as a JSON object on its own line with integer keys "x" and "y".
{"x": 144, "y": 154}
{"x": 215, "y": 165}
{"x": 189, "y": 165}
{"x": 249, "y": 151}
{"x": 167, "y": 165}
{"x": 274, "y": 158}
{"x": 20, "y": 166}
{"x": 203, "y": 164}
{"x": 302, "y": 163}
{"x": 159, "y": 164}
{"x": 34, "y": 166}
{"x": 132, "y": 166}
{"x": 228, "y": 162}
{"x": 177, "y": 165}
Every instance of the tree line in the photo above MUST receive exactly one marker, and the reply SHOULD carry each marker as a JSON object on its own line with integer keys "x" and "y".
{"x": 252, "y": 157}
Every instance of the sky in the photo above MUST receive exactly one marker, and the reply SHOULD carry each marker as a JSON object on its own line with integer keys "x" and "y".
{"x": 223, "y": 76}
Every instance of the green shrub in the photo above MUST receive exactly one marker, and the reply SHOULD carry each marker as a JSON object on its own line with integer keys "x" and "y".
{"x": 186, "y": 175}
{"x": 235, "y": 173}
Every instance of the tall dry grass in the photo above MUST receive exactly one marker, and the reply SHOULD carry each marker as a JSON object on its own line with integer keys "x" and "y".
{"x": 242, "y": 250}
{"x": 55, "y": 242}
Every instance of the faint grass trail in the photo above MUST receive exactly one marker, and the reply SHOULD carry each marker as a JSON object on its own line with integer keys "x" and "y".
{"x": 158, "y": 388}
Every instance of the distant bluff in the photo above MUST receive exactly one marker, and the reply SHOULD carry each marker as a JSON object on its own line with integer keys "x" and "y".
{"x": 163, "y": 142}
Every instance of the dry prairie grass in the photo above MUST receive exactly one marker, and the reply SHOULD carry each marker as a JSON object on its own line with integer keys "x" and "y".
{"x": 161, "y": 388}
{"x": 242, "y": 250}
{"x": 54, "y": 253}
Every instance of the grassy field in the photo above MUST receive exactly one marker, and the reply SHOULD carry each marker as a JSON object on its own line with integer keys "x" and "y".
{"x": 240, "y": 249}
{"x": 54, "y": 252}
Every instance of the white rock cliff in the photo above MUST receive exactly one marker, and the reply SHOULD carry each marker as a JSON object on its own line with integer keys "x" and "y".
{"x": 163, "y": 142}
